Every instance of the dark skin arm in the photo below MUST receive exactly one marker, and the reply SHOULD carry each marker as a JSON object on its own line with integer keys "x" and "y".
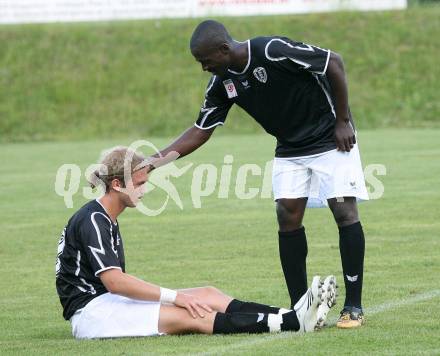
{"x": 187, "y": 142}
{"x": 344, "y": 134}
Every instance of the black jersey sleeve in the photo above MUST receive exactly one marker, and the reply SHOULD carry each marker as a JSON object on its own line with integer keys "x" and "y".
{"x": 98, "y": 243}
{"x": 297, "y": 55}
{"x": 215, "y": 107}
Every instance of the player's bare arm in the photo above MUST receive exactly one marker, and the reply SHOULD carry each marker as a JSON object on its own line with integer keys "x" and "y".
{"x": 118, "y": 282}
{"x": 344, "y": 134}
{"x": 186, "y": 143}
{"x": 189, "y": 141}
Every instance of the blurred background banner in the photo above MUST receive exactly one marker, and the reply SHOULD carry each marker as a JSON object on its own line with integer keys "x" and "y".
{"x": 42, "y": 11}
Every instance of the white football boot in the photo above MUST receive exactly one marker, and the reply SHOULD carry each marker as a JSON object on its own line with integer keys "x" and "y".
{"x": 307, "y": 307}
{"x": 328, "y": 299}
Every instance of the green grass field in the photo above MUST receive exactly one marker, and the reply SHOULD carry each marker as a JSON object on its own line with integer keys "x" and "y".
{"x": 232, "y": 244}
{"x": 116, "y": 79}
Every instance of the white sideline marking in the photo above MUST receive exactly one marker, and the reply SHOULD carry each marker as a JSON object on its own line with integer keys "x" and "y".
{"x": 368, "y": 311}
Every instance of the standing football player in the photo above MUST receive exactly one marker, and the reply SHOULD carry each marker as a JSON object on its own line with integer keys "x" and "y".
{"x": 101, "y": 300}
{"x": 298, "y": 93}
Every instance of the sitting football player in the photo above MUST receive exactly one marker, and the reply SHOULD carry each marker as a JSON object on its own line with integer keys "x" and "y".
{"x": 101, "y": 300}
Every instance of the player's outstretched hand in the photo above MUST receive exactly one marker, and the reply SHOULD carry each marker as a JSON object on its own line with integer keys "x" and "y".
{"x": 191, "y": 303}
{"x": 344, "y": 136}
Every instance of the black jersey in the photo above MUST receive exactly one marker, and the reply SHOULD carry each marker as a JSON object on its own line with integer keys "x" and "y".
{"x": 285, "y": 89}
{"x": 89, "y": 244}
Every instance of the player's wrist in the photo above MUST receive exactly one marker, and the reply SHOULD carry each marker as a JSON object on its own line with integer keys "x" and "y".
{"x": 343, "y": 119}
{"x": 167, "y": 296}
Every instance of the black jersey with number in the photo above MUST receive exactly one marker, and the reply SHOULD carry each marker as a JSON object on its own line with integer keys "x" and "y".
{"x": 89, "y": 244}
{"x": 285, "y": 89}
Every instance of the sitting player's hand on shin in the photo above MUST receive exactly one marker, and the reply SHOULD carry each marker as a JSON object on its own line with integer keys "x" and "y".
{"x": 193, "y": 304}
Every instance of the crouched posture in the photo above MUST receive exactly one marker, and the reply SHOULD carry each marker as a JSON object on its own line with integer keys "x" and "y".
{"x": 101, "y": 300}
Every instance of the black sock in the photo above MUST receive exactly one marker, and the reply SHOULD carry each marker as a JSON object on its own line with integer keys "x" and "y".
{"x": 290, "y": 322}
{"x": 238, "y": 306}
{"x": 233, "y": 323}
{"x": 352, "y": 248}
{"x": 255, "y": 323}
{"x": 293, "y": 253}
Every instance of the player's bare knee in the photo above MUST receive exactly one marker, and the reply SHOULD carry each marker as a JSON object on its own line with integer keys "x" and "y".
{"x": 345, "y": 217}
{"x": 210, "y": 291}
{"x": 344, "y": 212}
{"x": 289, "y": 218}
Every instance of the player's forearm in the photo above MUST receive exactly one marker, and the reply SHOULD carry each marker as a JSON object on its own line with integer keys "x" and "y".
{"x": 188, "y": 142}
{"x": 337, "y": 79}
{"x": 130, "y": 286}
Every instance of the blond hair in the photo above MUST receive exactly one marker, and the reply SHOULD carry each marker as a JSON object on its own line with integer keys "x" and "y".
{"x": 116, "y": 163}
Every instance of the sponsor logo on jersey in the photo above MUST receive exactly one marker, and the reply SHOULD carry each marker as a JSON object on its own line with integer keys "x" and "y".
{"x": 230, "y": 88}
{"x": 261, "y": 74}
{"x": 246, "y": 84}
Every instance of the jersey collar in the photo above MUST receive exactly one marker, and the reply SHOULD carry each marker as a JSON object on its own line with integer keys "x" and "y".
{"x": 248, "y": 62}
{"x": 105, "y": 210}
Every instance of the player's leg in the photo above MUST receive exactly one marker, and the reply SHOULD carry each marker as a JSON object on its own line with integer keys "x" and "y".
{"x": 221, "y": 302}
{"x": 352, "y": 250}
{"x": 293, "y": 245}
{"x": 176, "y": 321}
{"x": 340, "y": 174}
{"x": 305, "y": 317}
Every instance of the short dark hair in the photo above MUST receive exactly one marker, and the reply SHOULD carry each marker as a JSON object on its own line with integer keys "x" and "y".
{"x": 209, "y": 33}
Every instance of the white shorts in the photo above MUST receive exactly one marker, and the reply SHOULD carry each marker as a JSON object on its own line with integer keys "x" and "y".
{"x": 319, "y": 177}
{"x": 111, "y": 315}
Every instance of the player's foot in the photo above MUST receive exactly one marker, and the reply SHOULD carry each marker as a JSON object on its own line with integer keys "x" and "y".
{"x": 307, "y": 307}
{"x": 328, "y": 299}
{"x": 350, "y": 317}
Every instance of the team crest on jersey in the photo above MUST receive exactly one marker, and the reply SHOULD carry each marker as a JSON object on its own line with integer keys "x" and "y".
{"x": 230, "y": 88}
{"x": 261, "y": 74}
